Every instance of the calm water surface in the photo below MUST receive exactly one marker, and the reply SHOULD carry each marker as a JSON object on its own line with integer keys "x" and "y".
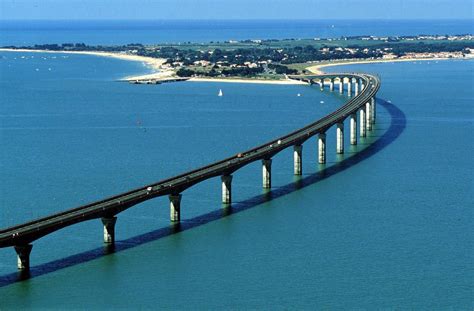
{"x": 148, "y": 32}
{"x": 390, "y": 229}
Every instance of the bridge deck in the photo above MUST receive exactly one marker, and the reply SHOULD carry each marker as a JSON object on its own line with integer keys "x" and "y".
{"x": 30, "y": 231}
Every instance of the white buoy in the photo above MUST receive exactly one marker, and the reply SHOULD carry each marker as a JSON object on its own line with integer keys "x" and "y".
{"x": 298, "y": 94}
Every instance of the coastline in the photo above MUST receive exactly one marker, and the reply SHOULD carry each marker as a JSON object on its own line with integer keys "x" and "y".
{"x": 153, "y": 63}
{"x": 156, "y": 65}
{"x": 316, "y": 69}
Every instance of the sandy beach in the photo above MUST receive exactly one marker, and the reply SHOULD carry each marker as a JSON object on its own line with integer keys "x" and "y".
{"x": 156, "y": 64}
{"x": 316, "y": 69}
{"x": 153, "y": 63}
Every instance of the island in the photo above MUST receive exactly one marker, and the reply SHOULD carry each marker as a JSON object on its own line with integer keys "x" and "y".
{"x": 269, "y": 60}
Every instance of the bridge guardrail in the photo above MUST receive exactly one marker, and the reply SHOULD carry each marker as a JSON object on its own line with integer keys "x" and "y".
{"x": 23, "y": 233}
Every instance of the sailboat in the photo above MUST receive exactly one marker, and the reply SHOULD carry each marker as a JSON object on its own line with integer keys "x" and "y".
{"x": 220, "y": 93}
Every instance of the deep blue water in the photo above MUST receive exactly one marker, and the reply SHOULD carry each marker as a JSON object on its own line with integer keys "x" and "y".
{"x": 388, "y": 225}
{"x": 21, "y": 33}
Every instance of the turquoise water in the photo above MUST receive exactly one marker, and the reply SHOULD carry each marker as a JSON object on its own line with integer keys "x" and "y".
{"x": 387, "y": 227}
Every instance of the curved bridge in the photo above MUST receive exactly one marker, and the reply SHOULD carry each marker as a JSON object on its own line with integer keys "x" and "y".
{"x": 362, "y": 103}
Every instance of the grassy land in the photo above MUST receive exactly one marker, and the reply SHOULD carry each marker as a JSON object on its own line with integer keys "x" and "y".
{"x": 293, "y": 43}
{"x": 303, "y": 66}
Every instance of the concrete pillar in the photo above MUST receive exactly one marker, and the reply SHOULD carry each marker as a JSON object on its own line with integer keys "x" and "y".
{"x": 109, "y": 229}
{"x": 322, "y": 148}
{"x": 23, "y": 256}
{"x": 175, "y": 207}
{"x": 297, "y": 156}
{"x": 356, "y": 87}
{"x": 362, "y": 120}
{"x": 340, "y": 137}
{"x": 362, "y": 86}
{"x": 267, "y": 173}
{"x": 368, "y": 116}
{"x": 322, "y": 84}
{"x": 349, "y": 87}
{"x": 374, "y": 107}
{"x": 341, "y": 85}
{"x": 354, "y": 128}
{"x": 226, "y": 189}
{"x": 331, "y": 85}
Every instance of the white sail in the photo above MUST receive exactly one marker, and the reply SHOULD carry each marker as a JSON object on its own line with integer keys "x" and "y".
{"x": 220, "y": 93}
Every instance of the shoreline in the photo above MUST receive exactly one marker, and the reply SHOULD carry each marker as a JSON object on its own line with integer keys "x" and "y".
{"x": 155, "y": 64}
{"x": 316, "y": 69}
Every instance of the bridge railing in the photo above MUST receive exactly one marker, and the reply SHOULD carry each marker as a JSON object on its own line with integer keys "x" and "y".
{"x": 159, "y": 188}
{"x": 109, "y": 207}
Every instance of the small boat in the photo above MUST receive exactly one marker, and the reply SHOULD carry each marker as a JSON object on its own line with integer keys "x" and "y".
{"x": 321, "y": 102}
{"x": 220, "y": 93}
{"x": 298, "y": 94}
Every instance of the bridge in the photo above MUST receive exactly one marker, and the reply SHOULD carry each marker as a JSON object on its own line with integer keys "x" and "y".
{"x": 360, "y": 109}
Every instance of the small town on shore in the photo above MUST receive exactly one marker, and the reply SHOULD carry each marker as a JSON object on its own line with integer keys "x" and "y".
{"x": 269, "y": 60}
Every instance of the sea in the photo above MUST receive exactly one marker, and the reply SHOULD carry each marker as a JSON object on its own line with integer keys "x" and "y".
{"x": 387, "y": 225}
{"x": 118, "y": 32}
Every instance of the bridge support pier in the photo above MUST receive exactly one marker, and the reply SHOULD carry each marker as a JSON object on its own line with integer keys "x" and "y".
{"x": 349, "y": 87}
{"x": 297, "y": 156}
{"x": 340, "y": 138}
{"x": 362, "y": 120}
{"x": 226, "y": 189}
{"x": 362, "y": 86}
{"x": 109, "y": 229}
{"x": 373, "y": 106}
{"x": 175, "y": 207}
{"x": 322, "y": 148}
{"x": 267, "y": 173}
{"x": 322, "y": 84}
{"x": 23, "y": 256}
{"x": 331, "y": 85}
{"x": 353, "y": 126}
{"x": 356, "y": 87}
{"x": 341, "y": 85}
{"x": 368, "y": 116}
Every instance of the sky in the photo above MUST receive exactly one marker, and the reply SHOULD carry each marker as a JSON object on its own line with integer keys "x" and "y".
{"x": 234, "y": 9}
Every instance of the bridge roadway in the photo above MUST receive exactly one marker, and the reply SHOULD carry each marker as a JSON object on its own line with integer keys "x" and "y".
{"x": 20, "y": 236}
